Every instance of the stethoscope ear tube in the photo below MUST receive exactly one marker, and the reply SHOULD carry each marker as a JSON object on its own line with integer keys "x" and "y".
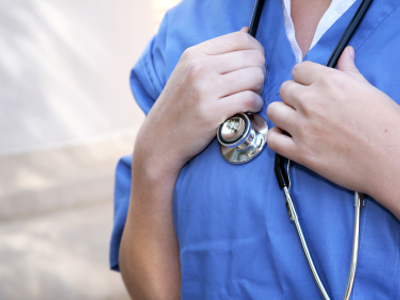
{"x": 255, "y": 18}
{"x": 280, "y": 171}
{"x": 283, "y": 179}
{"x": 238, "y": 153}
{"x": 253, "y": 140}
{"x": 347, "y": 35}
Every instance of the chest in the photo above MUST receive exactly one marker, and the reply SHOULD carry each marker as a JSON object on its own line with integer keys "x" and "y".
{"x": 236, "y": 240}
{"x": 306, "y": 16}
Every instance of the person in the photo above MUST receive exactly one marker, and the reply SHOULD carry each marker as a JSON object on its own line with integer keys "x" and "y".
{"x": 189, "y": 225}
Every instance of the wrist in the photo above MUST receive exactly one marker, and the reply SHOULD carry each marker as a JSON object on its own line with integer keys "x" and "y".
{"x": 387, "y": 193}
{"x": 151, "y": 168}
{"x": 384, "y": 182}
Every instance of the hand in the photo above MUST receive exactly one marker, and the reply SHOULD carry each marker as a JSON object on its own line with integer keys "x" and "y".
{"x": 340, "y": 126}
{"x": 211, "y": 82}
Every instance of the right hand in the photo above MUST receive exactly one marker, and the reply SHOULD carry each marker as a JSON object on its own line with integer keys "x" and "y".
{"x": 211, "y": 82}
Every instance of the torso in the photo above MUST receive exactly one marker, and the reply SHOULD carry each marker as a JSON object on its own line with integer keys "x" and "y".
{"x": 236, "y": 240}
{"x": 306, "y": 15}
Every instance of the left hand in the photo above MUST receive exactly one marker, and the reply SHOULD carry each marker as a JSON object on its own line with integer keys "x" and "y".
{"x": 340, "y": 126}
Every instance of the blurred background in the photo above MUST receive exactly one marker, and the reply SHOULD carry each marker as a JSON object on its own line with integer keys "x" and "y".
{"x": 66, "y": 116}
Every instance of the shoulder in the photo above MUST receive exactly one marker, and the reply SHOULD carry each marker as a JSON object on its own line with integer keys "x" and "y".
{"x": 194, "y": 21}
{"x": 189, "y": 23}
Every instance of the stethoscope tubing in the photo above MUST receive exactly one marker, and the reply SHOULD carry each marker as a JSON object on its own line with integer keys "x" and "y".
{"x": 282, "y": 174}
{"x": 256, "y": 16}
{"x": 348, "y": 33}
{"x": 356, "y": 243}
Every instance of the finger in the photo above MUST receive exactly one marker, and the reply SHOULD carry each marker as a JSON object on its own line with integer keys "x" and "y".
{"x": 283, "y": 116}
{"x": 291, "y": 92}
{"x": 347, "y": 65}
{"x": 247, "y": 101}
{"x": 245, "y": 29}
{"x": 233, "y": 61}
{"x": 235, "y": 41}
{"x": 307, "y": 72}
{"x": 251, "y": 79}
{"x": 281, "y": 143}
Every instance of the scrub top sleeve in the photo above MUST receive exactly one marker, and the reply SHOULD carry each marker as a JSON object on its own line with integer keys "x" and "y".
{"x": 147, "y": 82}
{"x": 148, "y": 77}
{"x": 122, "y": 193}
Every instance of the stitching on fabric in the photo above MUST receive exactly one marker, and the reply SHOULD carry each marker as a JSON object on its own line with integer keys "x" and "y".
{"x": 146, "y": 64}
{"x": 380, "y": 23}
{"x": 397, "y": 261}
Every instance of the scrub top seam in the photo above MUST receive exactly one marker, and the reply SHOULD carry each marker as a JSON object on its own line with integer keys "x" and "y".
{"x": 377, "y": 26}
{"x": 397, "y": 265}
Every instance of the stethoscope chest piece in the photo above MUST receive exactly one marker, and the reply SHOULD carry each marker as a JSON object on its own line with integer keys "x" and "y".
{"x": 242, "y": 137}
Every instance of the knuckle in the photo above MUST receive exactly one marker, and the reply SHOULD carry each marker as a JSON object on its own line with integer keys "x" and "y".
{"x": 259, "y": 76}
{"x": 306, "y": 103}
{"x": 197, "y": 89}
{"x": 271, "y": 110}
{"x": 296, "y": 70}
{"x": 305, "y": 154}
{"x": 338, "y": 79}
{"x": 271, "y": 140}
{"x": 200, "y": 90}
{"x": 249, "y": 101}
{"x": 259, "y": 81}
{"x": 196, "y": 67}
{"x": 327, "y": 77}
{"x": 284, "y": 88}
{"x": 188, "y": 53}
{"x": 307, "y": 64}
{"x": 241, "y": 38}
{"x": 259, "y": 58}
{"x": 204, "y": 112}
{"x": 244, "y": 36}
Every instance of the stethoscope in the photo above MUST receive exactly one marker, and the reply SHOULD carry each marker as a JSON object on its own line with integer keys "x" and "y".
{"x": 243, "y": 137}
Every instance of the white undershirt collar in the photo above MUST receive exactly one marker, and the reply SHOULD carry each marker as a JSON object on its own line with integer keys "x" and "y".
{"x": 333, "y": 13}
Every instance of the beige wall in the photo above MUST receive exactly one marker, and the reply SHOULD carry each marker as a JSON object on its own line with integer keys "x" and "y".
{"x": 64, "y": 70}
{"x": 66, "y": 116}
{"x": 159, "y": 9}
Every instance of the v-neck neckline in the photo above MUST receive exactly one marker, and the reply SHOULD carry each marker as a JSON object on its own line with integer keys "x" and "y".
{"x": 335, "y": 10}
{"x": 280, "y": 58}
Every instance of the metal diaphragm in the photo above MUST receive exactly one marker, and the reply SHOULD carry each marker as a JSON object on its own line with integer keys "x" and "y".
{"x": 242, "y": 137}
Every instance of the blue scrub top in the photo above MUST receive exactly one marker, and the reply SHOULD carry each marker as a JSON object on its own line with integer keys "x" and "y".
{"x": 236, "y": 240}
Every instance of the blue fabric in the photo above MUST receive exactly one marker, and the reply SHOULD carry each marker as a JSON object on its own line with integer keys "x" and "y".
{"x": 236, "y": 240}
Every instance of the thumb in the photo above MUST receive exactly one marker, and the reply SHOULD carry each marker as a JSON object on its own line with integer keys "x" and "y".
{"x": 245, "y": 29}
{"x": 347, "y": 65}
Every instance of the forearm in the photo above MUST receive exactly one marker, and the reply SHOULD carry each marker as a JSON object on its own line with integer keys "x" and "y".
{"x": 181, "y": 123}
{"x": 149, "y": 254}
{"x": 383, "y": 181}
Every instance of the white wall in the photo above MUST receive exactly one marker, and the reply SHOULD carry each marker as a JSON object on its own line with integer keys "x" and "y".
{"x": 64, "y": 70}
